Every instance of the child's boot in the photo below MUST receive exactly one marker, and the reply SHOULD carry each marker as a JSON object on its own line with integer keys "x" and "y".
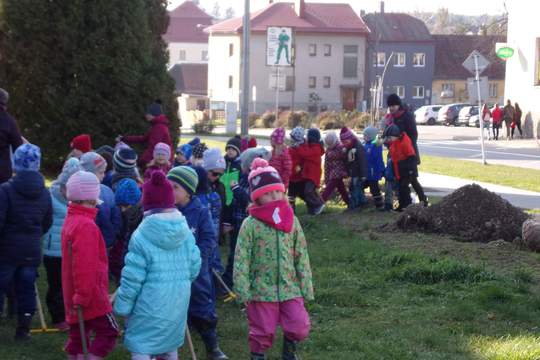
{"x": 378, "y": 202}
{"x": 289, "y": 349}
{"x": 22, "y": 333}
{"x": 213, "y": 352}
{"x": 257, "y": 356}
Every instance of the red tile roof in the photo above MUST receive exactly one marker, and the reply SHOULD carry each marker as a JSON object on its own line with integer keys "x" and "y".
{"x": 318, "y": 18}
{"x": 187, "y": 23}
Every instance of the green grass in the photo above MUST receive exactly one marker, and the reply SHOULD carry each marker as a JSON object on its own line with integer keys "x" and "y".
{"x": 376, "y": 301}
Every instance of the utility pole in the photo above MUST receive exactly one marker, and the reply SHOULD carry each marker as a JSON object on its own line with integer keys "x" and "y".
{"x": 480, "y": 115}
{"x": 244, "y": 127}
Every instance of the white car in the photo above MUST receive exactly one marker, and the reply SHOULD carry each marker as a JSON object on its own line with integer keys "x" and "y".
{"x": 427, "y": 114}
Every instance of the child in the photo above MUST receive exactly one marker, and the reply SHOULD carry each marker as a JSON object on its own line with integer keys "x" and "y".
{"x": 108, "y": 218}
{"x": 85, "y": 278}
{"x": 202, "y": 308}
{"x": 25, "y": 215}
{"x": 334, "y": 168}
{"x": 127, "y": 198}
{"x": 405, "y": 165}
{"x": 161, "y": 263}
{"x": 296, "y": 183}
{"x": 197, "y": 154}
{"x": 231, "y": 175}
{"x": 52, "y": 245}
{"x": 183, "y": 154}
{"x": 310, "y": 154}
{"x": 356, "y": 166}
{"x": 272, "y": 274}
{"x": 107, "y": 153}
{"x": 124, "y": 166}
{"x": 375, "y": 163}
{"x": 80, "y": 145}
{"x": 160, "y": 161}
{"x": 281, "y": 159}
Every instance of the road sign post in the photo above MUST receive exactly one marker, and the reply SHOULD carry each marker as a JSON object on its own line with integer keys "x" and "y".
{"x": 279, "y": 53}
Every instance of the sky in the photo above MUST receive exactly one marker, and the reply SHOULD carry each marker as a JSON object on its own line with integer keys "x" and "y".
{"x": 464, "y": 7}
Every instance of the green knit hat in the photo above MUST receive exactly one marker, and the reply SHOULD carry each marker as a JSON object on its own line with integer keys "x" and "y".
{"x": 186, "y": 177}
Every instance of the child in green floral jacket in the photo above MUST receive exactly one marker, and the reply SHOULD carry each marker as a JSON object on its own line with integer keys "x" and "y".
{"x": 272, "y": 275}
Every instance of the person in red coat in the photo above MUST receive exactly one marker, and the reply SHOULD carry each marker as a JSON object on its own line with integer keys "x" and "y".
{"x": 497, "y": 116}
{"x": 405, "y": 166}
{"x": 85, "y": 271}
{"x": 159, "y": 132}
{"x": 281, "y": 159}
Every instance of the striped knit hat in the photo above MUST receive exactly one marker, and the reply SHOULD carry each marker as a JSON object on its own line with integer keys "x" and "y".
{"x": 186, "y": 177}
{"x": 83, "y": 185}
{"x": 263, "y": 178}
{"x": 124, "y": 159}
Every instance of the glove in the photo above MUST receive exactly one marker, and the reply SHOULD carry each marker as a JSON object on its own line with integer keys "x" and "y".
{"x": 352, "y": 155}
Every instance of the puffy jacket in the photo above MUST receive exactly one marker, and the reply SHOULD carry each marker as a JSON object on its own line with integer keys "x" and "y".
{"x": 232, "y": 173}
{"x": 154, "y": 292}
{"x": 109, "y": 219}
{"x": 52, "y": 240}
{"x": 212, "y": 201}
{"x": 357, "y": 161}
{"x": 25, "y": 215}
{"x": 10, "y": 140}
{"x": 297, "y": 164}
{"x": 375, "y": 162}
{"x": 403, "y": 157}
{"x": 283, "y": 164}
{"x": 85, "y": 269}
{"x": 497, "y": 115}
{"x": 334, "y": 164}
{"x": 159, "y": 132}
{"x": 241, "y": 201}
{"x": 311, "y": 157}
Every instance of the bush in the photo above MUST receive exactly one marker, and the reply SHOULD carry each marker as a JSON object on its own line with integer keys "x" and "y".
{"x": 252, "y": 119}
{"x": 329, "y": 120}
{"x": 298, "y": 118}
{"x": 204, "y": 125}
{"x": 268, "y": 119}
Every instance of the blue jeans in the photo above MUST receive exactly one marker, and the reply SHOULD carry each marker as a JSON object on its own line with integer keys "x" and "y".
{"x": 23, "y": 278}
{"x": 358, "y": 198}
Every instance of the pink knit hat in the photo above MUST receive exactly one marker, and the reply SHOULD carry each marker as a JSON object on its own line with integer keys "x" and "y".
{"x": 157, "y": 192}
{"x": 162, "y": 148}
{"x": 83, "y": 185}
{"x": 263, "y": 178}
{"x": 278, "y": 136}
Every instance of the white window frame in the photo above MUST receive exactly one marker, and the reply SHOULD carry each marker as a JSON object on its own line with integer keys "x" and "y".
{"x": 381, "y": 59}
{"x": 314, "y": 48}
{"x": 182, "y": 55}
{"x": 417, "y": 57}
{"x": 327, "y": 82}
{"x": 397, "y": 89}
{"x": 327, "y": 50}
{"x": 398, "y": 57}
{"x": 314, "y": 86}
{"x": 231, "y": 82}
{"x": 416, "y": 92}
{"x": 493, "y": 90}
{"x": 231, "y": 49}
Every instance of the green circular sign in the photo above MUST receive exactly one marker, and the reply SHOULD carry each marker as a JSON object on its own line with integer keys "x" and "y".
{"x": 505, "y": 52}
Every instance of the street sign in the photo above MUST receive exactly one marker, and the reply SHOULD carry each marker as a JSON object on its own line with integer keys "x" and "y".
{"x": 279, "y": 46}
{"x": 278, "y": 80}
{"x": 483, "y": 63}
{"x": 505, "y": 52}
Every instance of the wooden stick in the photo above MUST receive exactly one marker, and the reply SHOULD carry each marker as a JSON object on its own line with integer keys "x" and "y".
{"x": 190, "y": 344}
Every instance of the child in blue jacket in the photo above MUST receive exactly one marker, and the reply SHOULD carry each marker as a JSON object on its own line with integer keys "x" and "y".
{"x": 375, "y": 164}
{"x": 160, "y": 265}
{"x": 202, "y": 313}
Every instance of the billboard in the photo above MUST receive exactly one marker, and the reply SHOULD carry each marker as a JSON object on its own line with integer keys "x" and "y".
{"x": 279, "y": 46}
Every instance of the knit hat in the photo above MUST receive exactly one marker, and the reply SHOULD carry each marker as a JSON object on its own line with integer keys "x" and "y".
{"x": 26, "y": 157}
{"x": 83, "y": 143}
{"x": 202, "y": 176}
{"x": 370, "y": 133}
{"x": 157, "y": 192}
{"x": 392, "y": 130}
{"x": 71, "y": 166}
{"x": 83, "y": 185}
{"x": 4, "y": 97}
{"x": 198, "y": 150}
{"x": 263, "y": 178}
{"x": 297, "y": 135}
{"x": 185, "y": 150}
{"x": 195, "y": 141}
{"x": 234, "y": 143}
{"x": 186, "y": 177}
{"x": 278, "y": 136}
{"x": 105, "y": 149}
{"x": 163, "y": 149}
{"x": 247, "y": 157}
{"x": 252, "y": 143}
{"x": 93, "y": 162}
{"x": 127, "y": 192}
{"x": 124, "y": 159}
{"x": 393, "y": 99}
{"x": 331, "y": 139}
{"x": 314, "y": 136}
{"x": 213, "y": 160}
{"x": 154, "y": 109}
{"x": 346, "y": 134}
{"x": 121, "y": 145}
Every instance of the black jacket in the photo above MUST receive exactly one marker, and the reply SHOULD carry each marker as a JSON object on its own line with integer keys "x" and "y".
{"x": 9, "y": 136}
{"x": 407, "y": 124}
{"x": 357, "y": 161}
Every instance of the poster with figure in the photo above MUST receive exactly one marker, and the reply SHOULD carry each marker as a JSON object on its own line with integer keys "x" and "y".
{"x": 279, "y": 46}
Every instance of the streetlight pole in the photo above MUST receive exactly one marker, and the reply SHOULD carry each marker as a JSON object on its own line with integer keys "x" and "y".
{"x": 480, "y": 115}
{"x": 244, "y": 127}
{"x": 380, "y": 89}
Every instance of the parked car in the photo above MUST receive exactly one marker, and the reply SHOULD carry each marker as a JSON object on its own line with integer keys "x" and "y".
{"x": 427, "y": 114}
{"x": 465, "y": 114}
{"x": 474, "y": 121}
{"x": 449, "y": 114}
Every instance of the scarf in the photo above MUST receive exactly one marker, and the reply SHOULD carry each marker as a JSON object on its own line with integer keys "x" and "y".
{"x": 277, "y": 214}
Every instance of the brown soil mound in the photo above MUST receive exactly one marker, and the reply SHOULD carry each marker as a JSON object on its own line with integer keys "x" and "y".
{"x": 471, "y": 213}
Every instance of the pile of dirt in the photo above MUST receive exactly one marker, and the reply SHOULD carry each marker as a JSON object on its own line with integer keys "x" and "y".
{"x": 470, "y": 213}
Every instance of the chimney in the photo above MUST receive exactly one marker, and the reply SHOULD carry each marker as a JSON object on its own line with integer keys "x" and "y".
{"x": 270, "y": 2}
{"x": 300, "y": 8}
{"x": 362, "y": 13}
{"x": 382, "y": 7}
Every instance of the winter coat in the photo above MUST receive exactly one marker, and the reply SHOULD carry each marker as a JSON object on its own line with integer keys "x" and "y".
{"x": 85, "y": 269}
{"x": 357, "y": 161}
{"x": 517, "y": 116}
{"x": 212, "y": 201}
{"x": 283, "y": 164}
{"x": 508, "y": 114}
{"x": 334, "y": 164}
{"x": 25, "y": 215}
{"x": 497, "y": 115}
{"x": 202, "y": 304}
{"x": 403, "y": 157}
{"x": 297, "y": 164}
{"x": 10, "y": 140}
{"x": 154, "y": 292}
{"x": 375, "y": 162}
{"x": 232, "y": 173}
{"x": 109, "y": 219}
{"x": 52, "y": 240}
{"x": 241, "y": 201}
{"x": 159, "y": 132}
{"x": 150, "y": 169}
{"x": 271, "y": 265}
{"x": 311, "y": 158}
{"x": 131, "y": 218}
{"x": 404, "y": 119}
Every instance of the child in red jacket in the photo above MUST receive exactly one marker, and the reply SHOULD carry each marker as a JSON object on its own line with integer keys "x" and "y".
{"x": 281, "y": 159}
{"x": 405, "y": 166}
{"x": 85, "y": 278}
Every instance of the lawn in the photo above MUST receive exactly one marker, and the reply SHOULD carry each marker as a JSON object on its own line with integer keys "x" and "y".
{"x": 384, "y": 295}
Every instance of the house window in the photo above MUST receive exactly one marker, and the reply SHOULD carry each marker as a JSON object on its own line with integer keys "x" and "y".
{"x": 493, "y": 90}
{"x": 231, "y": 49}
{"x": 399, "y": 59}
{"x": 400, "y": 90}
{"x": 327, "y": 50}
{"x": 537, "y": 75}
{"x": 381, "y": 59}
{"x": 289, "y": 83}
{"x": 419, "y": 60}
{"x": 418, "y": 92}
{"x": 326, "y": 82}
{"x": 312, "y": 82}
{"x": 447, "y": 90}
{"x": 230, "y": 81}
{"x": 350, "y": 61}
{"x": 182, "y": 55}
{"x": 312, "y": 49}
{"x": 204, "y": 55}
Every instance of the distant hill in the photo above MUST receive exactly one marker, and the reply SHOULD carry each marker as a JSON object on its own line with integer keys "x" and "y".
{"x": 443, "y": 22}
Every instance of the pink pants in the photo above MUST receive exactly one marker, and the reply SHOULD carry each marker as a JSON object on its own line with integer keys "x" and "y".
{"x": 264, "y": 317}
{"x": 105, "y": 330}
{"x": 333, "y": 185}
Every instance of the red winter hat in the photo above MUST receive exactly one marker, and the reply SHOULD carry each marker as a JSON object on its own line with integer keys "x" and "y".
{"x": 83, "y": 143}
{"x": 263, "y": 178}
{"x": 252, "y": 143}
{"x": 157, "y": 192}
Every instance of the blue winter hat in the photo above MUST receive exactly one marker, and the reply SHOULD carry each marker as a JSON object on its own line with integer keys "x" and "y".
{"x": 314, "y": 136}
{"x": 185, "y": 150}
{"x": 154, "y": 109}
{"x": 27, "y": 157}
{"x": 195, "y": 141}
{"x": 297, "y": 135}
{"x": 71, "y": 166}
{"x": 127, "y": 192}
